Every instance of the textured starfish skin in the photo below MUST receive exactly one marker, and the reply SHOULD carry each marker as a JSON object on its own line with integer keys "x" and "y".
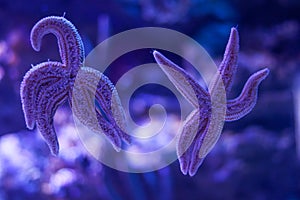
{"x": 43, "y": 89}
{"x": 90, "y": 85}
{"x": 48, "y": 85}
{"x": 70, "y": 45}
{"x": 196, "y": 140}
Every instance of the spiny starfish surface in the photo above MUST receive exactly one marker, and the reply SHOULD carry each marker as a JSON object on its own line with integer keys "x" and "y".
{"x": 49, "y": 84}
{"x": 200, "y": 132}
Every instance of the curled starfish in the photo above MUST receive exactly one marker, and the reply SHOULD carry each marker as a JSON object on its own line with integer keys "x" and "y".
{"x": 200, "y": 131}
{"x": 49, "y": 84}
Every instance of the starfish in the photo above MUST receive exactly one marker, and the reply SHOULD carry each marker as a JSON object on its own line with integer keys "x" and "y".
{"x": 200, "y": 132}
{"x": 49, "y": 84}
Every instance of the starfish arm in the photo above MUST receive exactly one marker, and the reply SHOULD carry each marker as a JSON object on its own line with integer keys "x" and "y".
{"x": 191, "y": 141}
{"x": 48, "y": 100}
{"x": 187, "y": 135}
{"x": 197, "y": 130}
{"x": 35, "y": 80}
{"x": 84, "y": 109}
{"x": 108, "y": 98}
{"x": 98, "y": 87}
{"x": 109, "y": 131}
{"x": 198, "y": 137}
{"x": 109, "y": 101}
{"x": 69, "y": 41}
{"x": 83, "y": 103}
{"x": 206, "y": 138}
{"x": 119, "y": 117}
{"x": 228, "y": 66}
{"x": 245, "y": 102}
{"x": 184, "y": 83}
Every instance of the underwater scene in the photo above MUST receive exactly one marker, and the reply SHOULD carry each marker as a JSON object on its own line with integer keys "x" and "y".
{"x": 149, "y": 99}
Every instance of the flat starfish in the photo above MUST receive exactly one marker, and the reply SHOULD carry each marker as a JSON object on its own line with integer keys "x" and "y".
{"x": 200, "y": 131}
{"x": 49, "y": 84}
